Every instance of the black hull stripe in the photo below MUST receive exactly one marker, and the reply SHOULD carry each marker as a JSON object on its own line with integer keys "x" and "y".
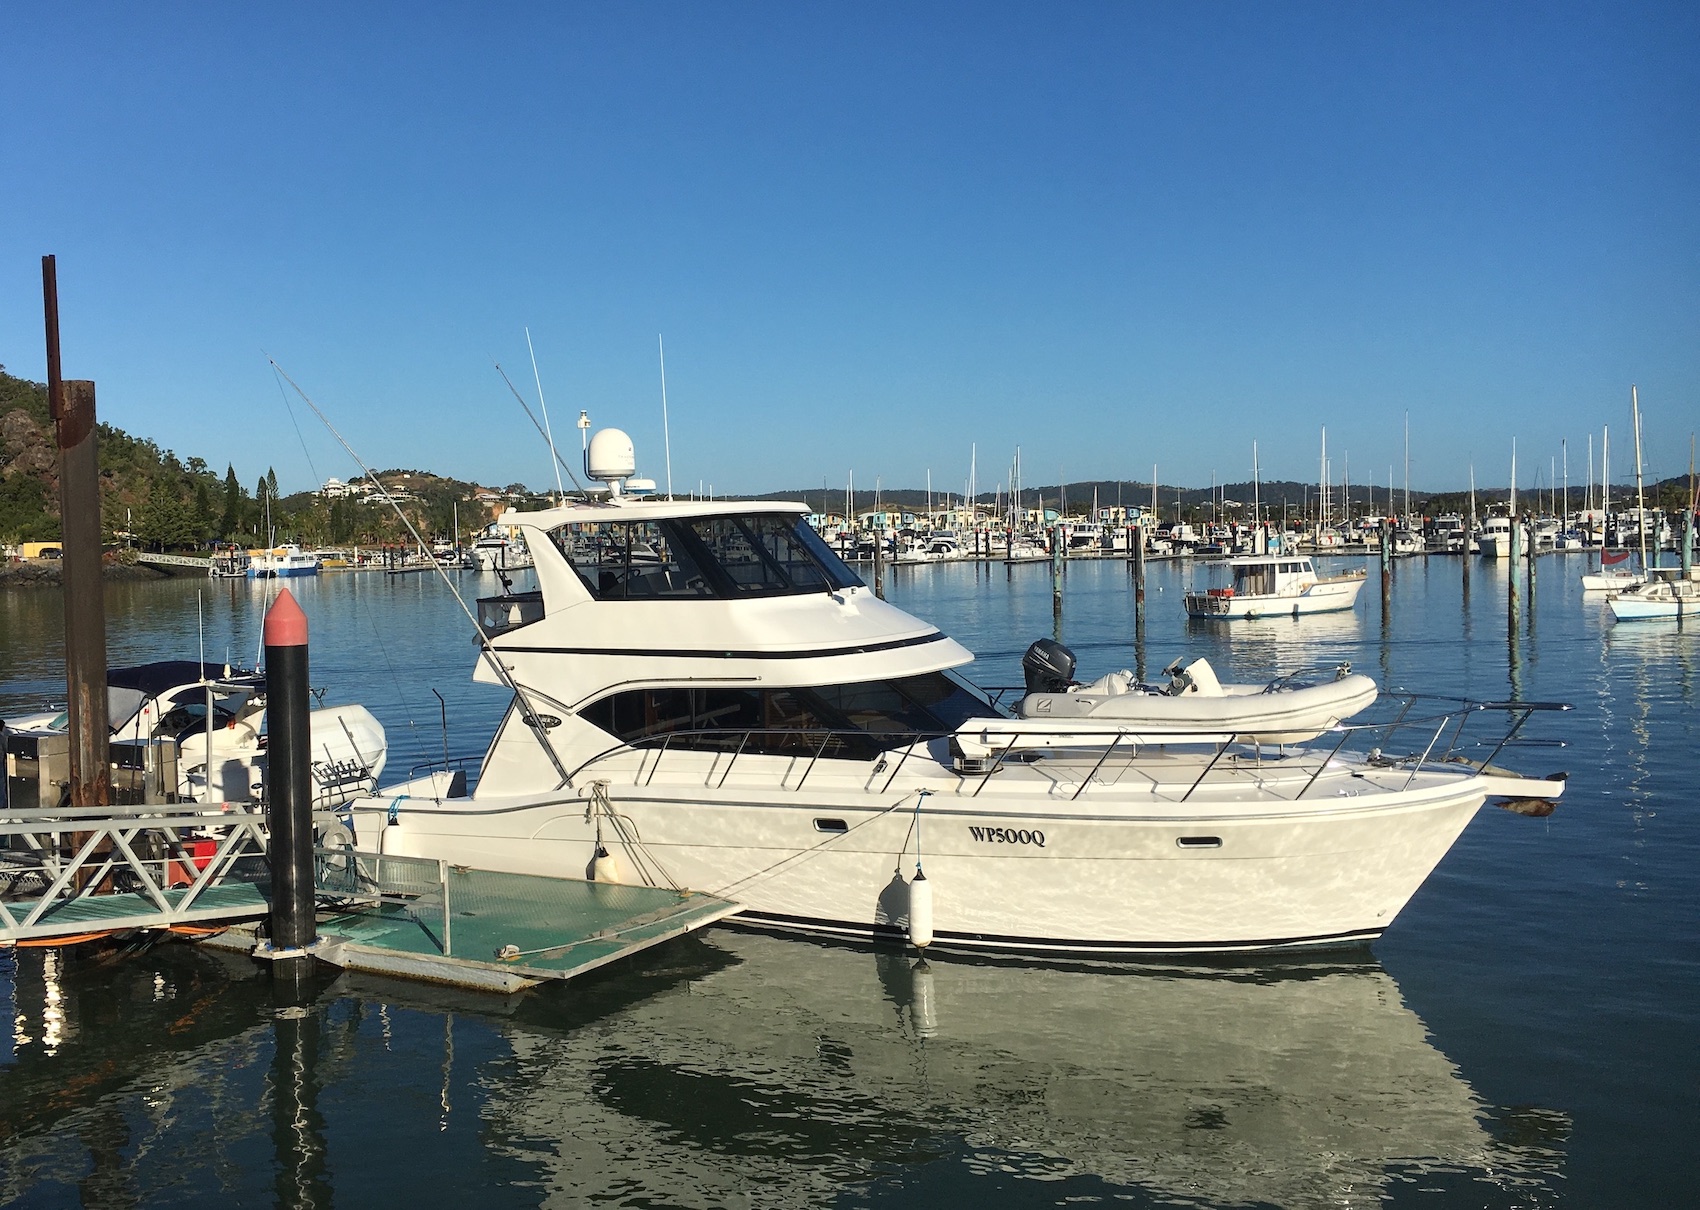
{"x": 1003, "y": 943}
{"x": 686, "y": 653}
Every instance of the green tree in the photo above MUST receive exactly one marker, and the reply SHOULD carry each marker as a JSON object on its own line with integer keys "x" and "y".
{"x": 203, "y": 512}
{"x": 231, "y": 521}
{"x": 165, "y": 519}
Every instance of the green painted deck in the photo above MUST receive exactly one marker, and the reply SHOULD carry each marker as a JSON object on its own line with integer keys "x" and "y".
{"x": 229, "y": 901}
{"x": 548, "y": 928}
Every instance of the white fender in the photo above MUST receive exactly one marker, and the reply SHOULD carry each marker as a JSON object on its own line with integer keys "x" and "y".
{"x": 605, "y": 867}
{"x": 920, "y": 911}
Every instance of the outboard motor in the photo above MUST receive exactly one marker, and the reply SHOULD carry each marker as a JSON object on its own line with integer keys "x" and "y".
{"x": 1048, "y": 667}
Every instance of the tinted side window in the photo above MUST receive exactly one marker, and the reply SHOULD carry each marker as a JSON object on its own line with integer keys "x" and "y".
{"x": 946, "y": 701}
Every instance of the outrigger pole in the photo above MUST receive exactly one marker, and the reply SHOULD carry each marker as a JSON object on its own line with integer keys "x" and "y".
{"x": 484, "y": 647}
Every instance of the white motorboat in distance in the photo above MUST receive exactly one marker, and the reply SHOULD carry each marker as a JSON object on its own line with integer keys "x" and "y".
{"x": 1614, "y": 574}
{"x": 742, "y": 716}
{"x": 498, "y": 549}
{"x": 1656, "y": 601}
{"x": 1494, "y": 538}
{"x": 1268, "y": 586}
{"x": 279, "y": 562}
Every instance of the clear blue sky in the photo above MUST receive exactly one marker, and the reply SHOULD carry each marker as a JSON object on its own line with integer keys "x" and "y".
{"x": 1115, "y": 234}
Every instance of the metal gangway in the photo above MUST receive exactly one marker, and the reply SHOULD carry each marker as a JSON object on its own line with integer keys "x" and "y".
{"x": 71, "y": 873}
{"x": 202, "y": 565}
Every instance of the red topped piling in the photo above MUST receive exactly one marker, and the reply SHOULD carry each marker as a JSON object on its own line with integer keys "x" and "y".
{"x": 286, "y": 624}
{"x": 289, "y": 788}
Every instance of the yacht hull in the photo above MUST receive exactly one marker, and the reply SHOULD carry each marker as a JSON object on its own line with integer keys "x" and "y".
{"x": 1325, "y": 596}
{"x": 1611, "y": 581}
{"x": 1009, "y": 874}
{"x": 1637, "y": 607}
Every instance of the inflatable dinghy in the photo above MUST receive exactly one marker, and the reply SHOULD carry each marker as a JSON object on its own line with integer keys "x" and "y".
{"x": 1286, "y": 710}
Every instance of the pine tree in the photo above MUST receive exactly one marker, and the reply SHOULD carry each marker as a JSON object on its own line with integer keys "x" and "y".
{"x": 231, "y": 522}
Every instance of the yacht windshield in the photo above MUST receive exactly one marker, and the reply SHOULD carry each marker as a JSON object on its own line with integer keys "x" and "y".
{"x": 740, "y": 555}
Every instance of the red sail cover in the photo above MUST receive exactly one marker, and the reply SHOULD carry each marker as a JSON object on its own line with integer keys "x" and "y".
{"x": 1607, "y": 558}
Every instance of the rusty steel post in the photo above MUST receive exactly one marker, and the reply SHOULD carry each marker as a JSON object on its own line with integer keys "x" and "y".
{"x": 73, "y": 410}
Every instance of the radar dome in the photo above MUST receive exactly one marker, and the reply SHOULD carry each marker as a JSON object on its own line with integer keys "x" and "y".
{"x": 610, "y": 457}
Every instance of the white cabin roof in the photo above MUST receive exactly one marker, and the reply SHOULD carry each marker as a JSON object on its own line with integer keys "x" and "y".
{"x": 646, "y": 508}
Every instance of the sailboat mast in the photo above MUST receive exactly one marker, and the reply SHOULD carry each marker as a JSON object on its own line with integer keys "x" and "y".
{"x": 1640, "y": 498}
{"x": 973, "y": 481}
{"x": 1605, "y": 474}
{"x": 1256, "y": 489}
{"x": 1322, "y": 481}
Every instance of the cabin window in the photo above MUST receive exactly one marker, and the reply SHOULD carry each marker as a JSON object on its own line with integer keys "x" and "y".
{"x": 1255, "y": 580}
{"x": 854, "y": 722}
{"x": 760, "y": 554}
{"x": 631, "y": 560}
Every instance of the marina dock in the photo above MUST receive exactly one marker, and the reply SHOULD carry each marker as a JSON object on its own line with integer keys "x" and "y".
{"x": 161, "y": 869}
{"x": 476, "y": 928}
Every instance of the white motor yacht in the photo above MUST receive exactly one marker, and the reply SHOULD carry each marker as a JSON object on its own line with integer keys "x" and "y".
{"x": 1494, "y": 539}
{"x": 498, "y": 549}
{"x": 745, "y": 717}
{"x": 1448, "y": 532}
{"x": 1271, "y": 586}
{"x": 280, "y": 562}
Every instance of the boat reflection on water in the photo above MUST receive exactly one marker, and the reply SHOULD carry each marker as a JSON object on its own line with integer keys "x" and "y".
{"x": 1276, "y": 646}
{"x": 797, "y": 1068}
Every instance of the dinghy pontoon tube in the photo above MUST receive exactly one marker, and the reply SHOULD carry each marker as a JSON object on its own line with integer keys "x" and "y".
{"x": 1286, "y": 710}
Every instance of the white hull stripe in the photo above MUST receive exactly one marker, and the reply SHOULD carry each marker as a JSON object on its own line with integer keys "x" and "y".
{"x": 687, "y": 653}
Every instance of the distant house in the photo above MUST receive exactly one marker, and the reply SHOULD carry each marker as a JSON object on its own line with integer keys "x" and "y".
{"x": 336, "y": 489}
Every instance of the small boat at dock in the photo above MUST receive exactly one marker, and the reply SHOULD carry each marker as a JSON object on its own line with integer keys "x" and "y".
{"x": 280, "y": 562}
{"x": 1249, "y": 587}
{"x": 177, "y": 719}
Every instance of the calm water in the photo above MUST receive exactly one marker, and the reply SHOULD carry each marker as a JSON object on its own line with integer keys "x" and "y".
{"x": 1523, "y": 1036}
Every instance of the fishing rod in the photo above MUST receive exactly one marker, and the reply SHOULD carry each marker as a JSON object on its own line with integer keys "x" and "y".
{"x": 541, "y": 432}
{"x": 488, "y": 652}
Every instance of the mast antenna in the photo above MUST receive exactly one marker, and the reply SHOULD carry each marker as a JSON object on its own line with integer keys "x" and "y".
{"x": 666, "y": 437}
{"x": 559, "y": 461}
{"x": 547, "y": 434}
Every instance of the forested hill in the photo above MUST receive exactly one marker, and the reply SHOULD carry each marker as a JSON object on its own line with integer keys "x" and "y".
{"x": 159, "y": 501}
